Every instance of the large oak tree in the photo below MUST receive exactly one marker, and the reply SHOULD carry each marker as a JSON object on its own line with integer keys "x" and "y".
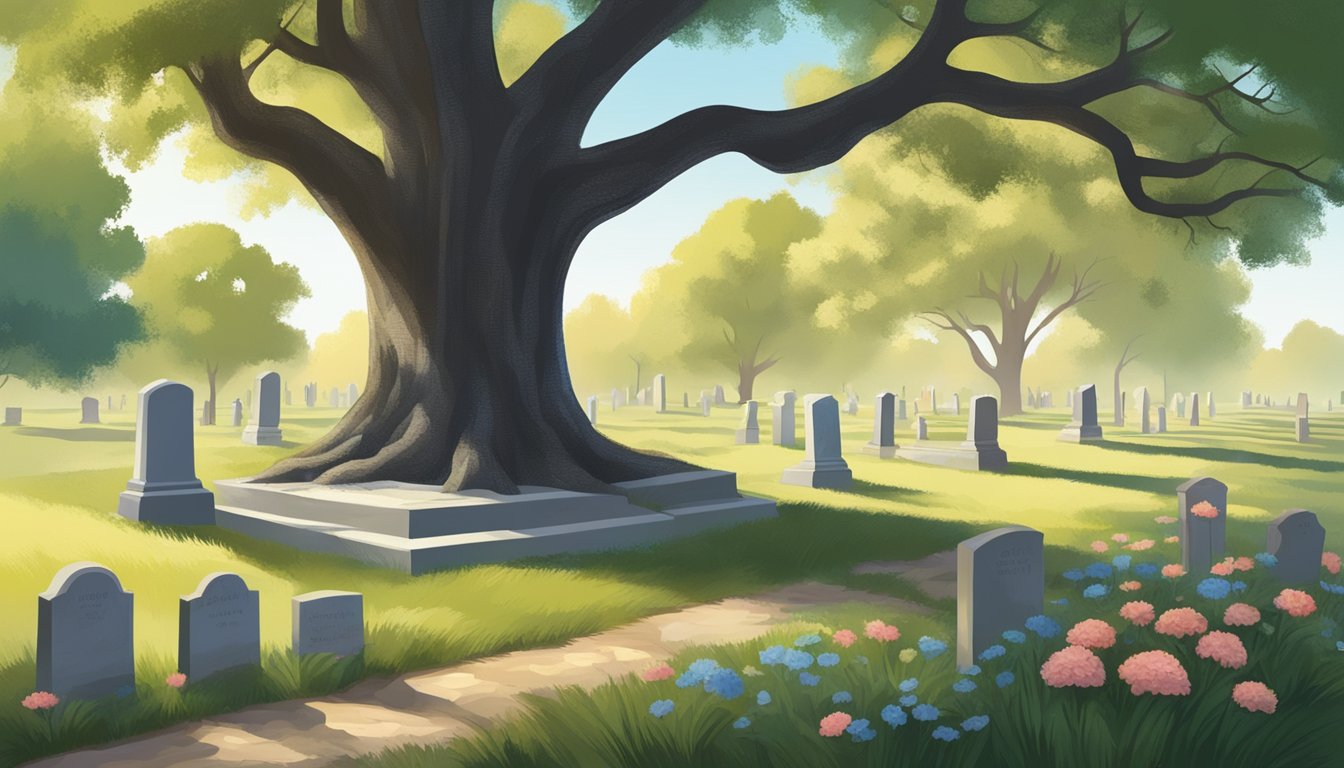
{"x": 466, "y": 205}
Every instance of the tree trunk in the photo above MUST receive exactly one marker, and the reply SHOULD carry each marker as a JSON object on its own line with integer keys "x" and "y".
{"x": 746, "y": 380}
{"x": 1119, "y": 406}
{"x": 211, "y": 373}
{"x": 1008, "y": 375}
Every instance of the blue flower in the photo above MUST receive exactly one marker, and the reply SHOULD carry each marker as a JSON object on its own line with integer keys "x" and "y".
{"x": 931, "y": 647}
{"x": 841, "y": 697}
{"x": 1214, "y": 588}
{"x": 697, "y": 672}
{"x": 1095, "y": 591}
{"x": 1043, "y": 625}
{"x": 1266, "y": 559}
{"x": 992, "y": 652}
{"x": 1146, "y": 570}
{"x": 796, "y": 660}
{"x": 909, "y": 684}
{"x": 773, "y": 655}
{"x": 808, "y": 679}
{"x": 964, "y": 685}
{"x": 943, "y": 733}
{"x": 661, "y": 707}
{"x": 763, "y": 698}
{"x": 976, "y": 723}
{"x": 1238, "y": 586}
{"x": 805, "y": 640}
{"x": 1063, "y": 601}
{"x": 925, "y": 713}
{"x": 1014, "y": 636}
{"x": 724, "y": 683}
{"x": 1097, "y": 571}
{"x": 742, "y": 722}
{"x": 1121, "y": 562}
{"x": 828, "y": 659}
{"x": 1004, "y": 679}
{"x": 894, "y": 716}
{"x": 1339, "y": 646}
{"x": 909, "y": 700}
{"x": 1334, "y": 589}
{"x": 1074, "y": 574}
{"x": 860, "y": 731}
{"x": 972, "y": 670}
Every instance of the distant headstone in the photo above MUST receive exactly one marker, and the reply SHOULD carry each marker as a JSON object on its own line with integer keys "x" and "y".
{"x": 933, "y": 400}
{"x": 1083, "y": 428}
{"x": 1210, "y": 409}
{"x": 1303, "y": 429}
{"x": 1246, "y": 399}
{"x": 1161, "y": 419}
{"x": 109, "y": 403}
{"x": 123, "y": 403}
{"x": 823, "y": 467}
{"x": 1202, "y": 536}
{"x": 685, "y": 399}
{"x": 956, "y": 404}
{"x": 900, "y": 410}
{"x": 1194, "y": 409}
{"x": 615, "y": 399}
{"x": 264, "y": 427}
{"x": 783, "y": 430}
{"x": 164, "y": 487}
{"x": 219, "y": 628}
{"x": 749, "y": 429}
{"x": 982, "y": 433}
{"x": 1303, "y": 405}
{"x": 660, "y": 393}
{"x": 852, "y": 405}
{"x": 328, "y": 622}
{"x": 335, "y": 397}
{"x": 1178, "y": 405}
{"x": 1142, "y": 402}
{"x": 1258, "y": 399}
{"x": 89, "y": 411}
{"x": 705, "y": 404}
{"x": 351, "y": 394}
{"x": 1047, "y": 400}
{"x": 1000, "y": 584}
{"x": 85, "y": 647}
{"x": 1297, "y": 539}
{"x": 13, "y": 416}
{"x": 1068, "y": 399}
{"x": 237, "y": 412}
{"x": 883, "y": 443}
{"x": 592, "y": 409}
{"x": 1031, "y": 398}
{"x": 718, "y": 394}
{"x": 921, "y": 428}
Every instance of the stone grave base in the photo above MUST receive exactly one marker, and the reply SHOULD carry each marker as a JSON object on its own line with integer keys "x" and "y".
{"x": 881, "y": 451}
{"x": 956, "y": 456}
{"x": 419, "y": 528}
{"x": 835, "y": 474}
{"x": 262, "y": 435}
{"x": 1076, "y": 434}
{"x": 175, "y": 506}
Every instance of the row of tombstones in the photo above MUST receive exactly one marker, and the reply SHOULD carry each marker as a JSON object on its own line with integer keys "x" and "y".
{"x": 85, "y": 632}
{"x": 1001, "y": 573}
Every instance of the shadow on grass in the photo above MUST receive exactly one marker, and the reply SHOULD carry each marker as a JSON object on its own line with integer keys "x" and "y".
{"x": 1040, "y": 425}
{"x": 1142, "y": 483}
{"x": 1229, "y": 455}
{"x": 882, "y": 491}
{"x": 81, "y": 434}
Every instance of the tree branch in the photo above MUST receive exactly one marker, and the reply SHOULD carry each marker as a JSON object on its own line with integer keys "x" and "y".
{"x": 1082, "y": 291}
{"x": 948, "y": 324}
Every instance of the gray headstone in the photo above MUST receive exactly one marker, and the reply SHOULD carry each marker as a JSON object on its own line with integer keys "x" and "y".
{"x": 1178, "y": 405}
{"x": 351, "y": 394}
{"x": 615, "y": 399}
{"x": 1210, "y": 410}
{"x": 900, "y": 410}
{"x": 956, "y": 404}
{"x": 1068, "y": 399}
{"x": 164, "y": 488}
{"x": 1297, "y": 539}
{"x": 1142, "y": 402}
{"x": 705, "y": 404}
{"x": 1031, "y": 398}
{"x": 1194, "y": 409}
{"x": 685, "y": 399}
{"x": 852, "y": 405}
{"x": 933, "y": 400}
{"x": 1161, "y": 419}
{"x": 13, "y": 416}
{"x": 123, "y": 403}
{"x": 335, "y": 397}
{"x": 1202, "y": 538}
{"x": 1303, "y": 405}
{"x": 921, "y": 428}
{"x": 782, "y": 425}
{"x": 1083, "y": 428}
{"x": 1246, "y": 399}
{"x": 883, "y": 443}
{"x": 592, "y": 409}
{"x": 264, "y": 428}
{"x": 1259, "y": 399}
{"x": 1000, "y": 584}
{"x": 982, "y": 433}
{"x": 85, "y": 641}
{"x": 219, "y": 627}
{"x": 1303, "y": 429}
{"x": 109, "y": 403}
{"x": 660, "y": 393}
{"x": 328, "y": 622}
{"x": 718, "y": 394}
{"x": 749, "y": 429}
{"x": 237, "y": 412}
{"x": 89, "y": 410}
{"x": 823, "y": 467}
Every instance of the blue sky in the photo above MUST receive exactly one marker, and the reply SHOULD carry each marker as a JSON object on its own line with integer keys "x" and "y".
{"x": 613, "y": 258}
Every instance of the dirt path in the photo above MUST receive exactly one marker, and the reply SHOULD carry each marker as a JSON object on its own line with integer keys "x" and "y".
{"x": 430, "y": 707}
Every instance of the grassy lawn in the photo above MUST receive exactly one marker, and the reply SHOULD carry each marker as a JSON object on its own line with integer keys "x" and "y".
{"x": 59, "y": 482}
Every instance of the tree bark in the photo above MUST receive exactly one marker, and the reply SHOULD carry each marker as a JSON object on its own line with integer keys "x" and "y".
{"x": 211, "y": 374}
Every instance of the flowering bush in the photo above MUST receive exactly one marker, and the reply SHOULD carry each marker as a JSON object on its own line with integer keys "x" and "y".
{"x": 1255, "y": 697}
{"x": 1222, "y": 647}
{"x": 1181, "y": 622}
{"x": 1092, "y": 633}
{"x": 1073, "y": 666}
{"x": 1204, "y": 509}
{"x": 1295, "y": 603}
{"x": 1155, "y": 672}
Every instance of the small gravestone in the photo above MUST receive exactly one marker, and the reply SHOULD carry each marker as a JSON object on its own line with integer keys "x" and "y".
{"x": 783, "y": 429}
{"x": 109, "y": 403}
{"x": 89, "y": 410}
{"x": 1202, "y": 537}
{"x": 852, "y": 405}
{"x": 1303, "y": 430}
{"x": 1083, "y": 428}
{"x": 718, "y": 394}
{"x": 933, "y": 400}
{"x": 1194, "y": 409}
{"x": 164, "y": 487}
{"x": 1297, "y": 539}
{"x": 85, "y": 647}
{"x": 237, "y": 412}
{"x": 705, "y": 404}
{"x": 1031, "y": 398}
{"x": 660, "y": 394}
{"x": 615, "y": 399}
{"x": 1178, "y": 405}
{"x": 1000, "y": 584}
{"x": 982, "y": 433}
{"x": 1068, "y": 399}
{"x": 823, "y": 467}
{"x": 310, "y": 395}
{"x": 13, "y": 417}
{"x": 749, "y": 429}
{"x": 1048, "y": 400}
{"x": 219, "y": 627}
{"x": 1144, "y": 405}
{"x": 921, "y": 428}
{"x": 1259, "y": 399}
{"x": 264, "y": 428}
{"x": 122, "y": 407}
{"x": 900, "y": 410}
{"x": 1161, "y": 419}
{"x": 956, "y": 404}
{"x": 1246, "y": 399}
{"x": 1210, "y": 409}
{"x": 351, "y": 394}
{"x": 685, "y": 399}
{"x": 328, "y": 622}
{"x": 883, "y": 444}
{"x": 592, "y": 409}
{"x": 334, "y": 397}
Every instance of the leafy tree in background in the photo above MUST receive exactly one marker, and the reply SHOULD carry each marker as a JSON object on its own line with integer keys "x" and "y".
{"x": 214, "y": 301}
{"x": 464, "y": 192}
{"x": 1310, "y": 359}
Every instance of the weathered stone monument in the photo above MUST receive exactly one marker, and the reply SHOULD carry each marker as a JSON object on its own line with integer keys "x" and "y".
{"x": 1161, "y": 419}
{"x": 328, "y": 621}
{"x": 264, "y": 427}
{"x": 13, "y": 416}
{"x": 852, "y": 405}
{"x": 85, "y": 642}
{"x": 1194, "y": 409}
{"x": 1201, "y": 505}
{"x": 823, "y": 467}
{"x": 219, "y": 627}
{"x": 660, "y": 393}
{"x": 592, "y": 409}
{"x": 718, "y": 394}
{"x": 1297, "y": 539}
{"x": 749, "y": 429}
{"x": 883, "y": 444}
{"x": 237, "y": 412}
{"x": 164, "y": 487}
{"x": 921, "y": 428}
{"x": 1000, "y": 584}
{"x": 1083, "y": 428}
{"x": 1144, "y": 405}
{"x": 705, "y": 404}
{"x": 783, "y": 429}
{"x": 89, "y": 411}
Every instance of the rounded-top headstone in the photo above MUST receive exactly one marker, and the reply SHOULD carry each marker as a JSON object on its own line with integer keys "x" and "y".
{"x": 165, "y": 453}
{"x": 219, "y": 627}
{"x": 1000, "y": 584}
{"x": 1202, "y": 538}
{"x": 1297, "y": 539}
{"x": 85, "y": 641}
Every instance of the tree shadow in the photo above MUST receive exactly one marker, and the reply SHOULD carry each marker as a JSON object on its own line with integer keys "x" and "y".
{"x": 881, "y": 490}
{"x": 1142, "y": 483}
{"x": 1043, "y": 426}
{"x": 1228, "y": 455}
{"x": 81, "y": 434}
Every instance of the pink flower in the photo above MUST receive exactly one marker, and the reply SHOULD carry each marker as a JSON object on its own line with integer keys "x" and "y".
{"x": 1296, "y": 602}
{"x": 1141, "y": 545}
{"x": 1221, "y": 569}
{"x": 1255, "y": 697}
{"x": 1155, "y": 672}
{"x": 844, "y": 638}
{"x": 1331, "y": 562}
{"x": 1138, "y": 613}
{"x": 176, "y": 680}
{"x": 1241, "y": 615}
{"x": 1172, "y": 539}
{"x": 1224, "y": 648}
{"x": 657, "y": 672}
{"x": 1100, "y": 546}
{"x": 1073, "y": 665}
{"x": 834, "y": 724}
{"x": 1205, "y": 510}
{"x": 880, "y": 630}
{"x": 1130, "y": 586}
{"x": 40, "y": 700}
{"x": 1164, "y": 519}
{"x": 1120, "y": 538}
{"x": 1173, "y": 570}
{"x": 1243, "y": 564}
{"x": 1092, "y": 633}
{"x": 1181, "y": 622}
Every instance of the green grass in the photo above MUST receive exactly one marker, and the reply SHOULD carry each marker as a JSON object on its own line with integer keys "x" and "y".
{"x": 59, "y": 482}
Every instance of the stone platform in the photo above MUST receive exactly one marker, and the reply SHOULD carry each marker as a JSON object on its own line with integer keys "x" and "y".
{"x": 419, "y": 528}
{"x": 955, "y": 455}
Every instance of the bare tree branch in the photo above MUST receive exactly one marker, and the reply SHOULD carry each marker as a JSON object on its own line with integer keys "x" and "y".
{"x": 948, "y": 324}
